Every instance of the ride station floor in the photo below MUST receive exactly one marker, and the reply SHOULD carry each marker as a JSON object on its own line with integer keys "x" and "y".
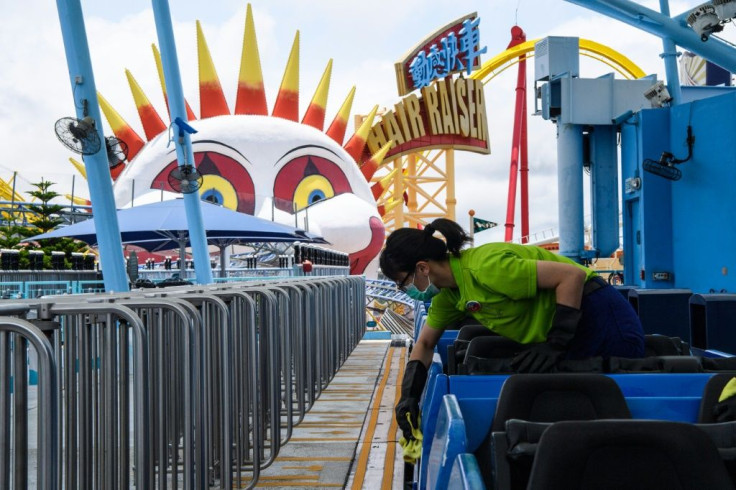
{"x": 349, "y": 437}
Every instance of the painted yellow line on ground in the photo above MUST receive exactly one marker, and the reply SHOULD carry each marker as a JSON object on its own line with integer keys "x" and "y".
{"x": 312, "y": 458}
{"x": 300, "y": 484}
{"x": 333, "y": 412}
{"x": 346, "y": 391}
{"x": 314, "y": 467}
{"x": 388, "y": 468}
{"x": 332, "y": 400}
{"x": 368, "y": 438}
{"x": 329, "y": 439}
{"x": 289, "y": 477}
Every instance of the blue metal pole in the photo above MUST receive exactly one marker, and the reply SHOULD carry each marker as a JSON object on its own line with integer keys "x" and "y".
{"x": 570, "y": 189}
{"x": 97, "y": 166}
{"x": 670, "y": 60}
{"x": 182, "y": 140}
{"x": 629, "y": 169}
{"x": 653, "y": 22}
{"x": 604, "y": 190}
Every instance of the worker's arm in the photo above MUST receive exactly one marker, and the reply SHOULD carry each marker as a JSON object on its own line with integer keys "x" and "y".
{"x": 415, "y": 377}
{"x": 566, "y": 279}
{"x": 425, "y": 344}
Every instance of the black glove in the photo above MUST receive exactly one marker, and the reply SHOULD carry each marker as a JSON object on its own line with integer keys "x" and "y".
{"x": 541, "y": 358}
{"x": 415, "y": 377}
{"x": 725, "y": 411}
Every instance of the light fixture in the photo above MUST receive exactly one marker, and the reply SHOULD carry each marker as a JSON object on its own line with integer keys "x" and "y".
{"x": 657, "y": 94}
{"x": 725, "y": 9}
{"x": 665, "y": 166}
{"x": 704, "y": 20}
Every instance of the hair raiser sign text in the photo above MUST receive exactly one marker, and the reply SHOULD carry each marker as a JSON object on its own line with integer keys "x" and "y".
{"x": 448, "y": 114}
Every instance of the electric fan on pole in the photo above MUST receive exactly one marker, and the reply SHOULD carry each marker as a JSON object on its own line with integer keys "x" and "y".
{"x": 185, "y": 179}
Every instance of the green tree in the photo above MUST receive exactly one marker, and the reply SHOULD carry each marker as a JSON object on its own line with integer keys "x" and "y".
{"x": 47, "y": 216}
{"x": 10, "y": 237}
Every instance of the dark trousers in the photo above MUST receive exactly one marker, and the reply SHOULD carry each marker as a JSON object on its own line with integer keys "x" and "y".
{"x": 609, "y": 327}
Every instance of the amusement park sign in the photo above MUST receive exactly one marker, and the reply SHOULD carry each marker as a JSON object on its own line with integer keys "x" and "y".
{"x": 448, "y": 114}
{"x": 451, "y": 49}
{"x": 438, "y": 110}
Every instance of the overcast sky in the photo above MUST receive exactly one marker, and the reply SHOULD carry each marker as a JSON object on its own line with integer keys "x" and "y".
{"x": 363, "y": 38}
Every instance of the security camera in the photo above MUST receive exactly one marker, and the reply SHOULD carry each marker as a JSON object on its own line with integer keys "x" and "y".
{"x": 725, "y": 9}
{"x": 704, "y": 21}
{"x": 657, "y": 94}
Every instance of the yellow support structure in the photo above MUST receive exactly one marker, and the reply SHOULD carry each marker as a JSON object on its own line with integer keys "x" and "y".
{"x": 426, "y": 181}
{"x": 427, "y": 178}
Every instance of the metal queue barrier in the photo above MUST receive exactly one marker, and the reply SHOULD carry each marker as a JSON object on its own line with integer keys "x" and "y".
{"x": 183, "y": 387}
{"x": 15, "y": 336}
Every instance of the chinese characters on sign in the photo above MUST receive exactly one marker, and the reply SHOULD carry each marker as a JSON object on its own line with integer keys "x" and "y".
{"x": 455, "y": 52}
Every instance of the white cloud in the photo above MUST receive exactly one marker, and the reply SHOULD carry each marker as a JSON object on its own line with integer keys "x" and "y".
{"x": 363, "y": 38}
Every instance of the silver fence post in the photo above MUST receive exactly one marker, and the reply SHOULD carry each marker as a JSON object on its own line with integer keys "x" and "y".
{"x": 48, "y": 393}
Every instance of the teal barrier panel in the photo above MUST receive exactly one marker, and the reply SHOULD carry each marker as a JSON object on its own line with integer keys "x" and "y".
{"x": 84, "y": 287}
{"x": 36, "y": 289}
{"x": 11, "y": 290}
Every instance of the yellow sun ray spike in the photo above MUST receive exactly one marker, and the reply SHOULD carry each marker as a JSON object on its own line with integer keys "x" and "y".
{"x": 79, "y": 166}
{"x": 122, "y": 131}
{"x": 287, "y": 101}
{"x": 388, "y": 207}
{"x": 211, "y": 98}
{"x": 160, "y": 68}
{"x": 315, "y": 115}
{"x": 380, "y": 186}
{"x": 77, "y": 200}
{"x": 151, "y": 120}
{"x": 356, "y": 144}
{"x": 370, "y": 167}
{"x": 337, "y": 129}
{"x": 251, "y": 98}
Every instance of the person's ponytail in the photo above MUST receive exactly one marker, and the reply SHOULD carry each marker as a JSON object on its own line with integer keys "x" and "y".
{"x": 407, "y": 246}
{"x": 455, "y": 236}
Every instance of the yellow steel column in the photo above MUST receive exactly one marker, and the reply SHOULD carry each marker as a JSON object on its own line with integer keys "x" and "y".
{"x": 411, "y": 177}
{"x": 399, "y": 194}
{"x": 450, "y": 200}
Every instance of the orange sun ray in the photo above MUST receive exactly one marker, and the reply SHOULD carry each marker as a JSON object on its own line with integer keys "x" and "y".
{"x": 151, "y": 120}
{"x": 211, "y": 98}
{"x": 287, "y": 101}
{"x": 160, "y": 68}
{"x": 356, "y": 144}
{"x": 251, "y": 98}
{"x": 369, "y": 167}
{"x": 339, "y": 125}
{"x": 315, "y": 115}
{"x": 122, "y": 131}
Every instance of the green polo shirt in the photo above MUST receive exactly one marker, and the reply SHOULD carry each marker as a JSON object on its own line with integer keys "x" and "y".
{"x": 502, "y": 278}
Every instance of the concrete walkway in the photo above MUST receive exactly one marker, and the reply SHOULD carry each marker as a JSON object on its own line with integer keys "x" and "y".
{"x": 349, "y": 437}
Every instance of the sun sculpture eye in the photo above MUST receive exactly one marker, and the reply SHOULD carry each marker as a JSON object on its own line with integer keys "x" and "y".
{"x": 306, "y": 180}
{"x": 225, "y": 181}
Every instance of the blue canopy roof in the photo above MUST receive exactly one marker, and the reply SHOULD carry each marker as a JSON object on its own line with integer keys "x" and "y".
{"x": 163, "y": 225}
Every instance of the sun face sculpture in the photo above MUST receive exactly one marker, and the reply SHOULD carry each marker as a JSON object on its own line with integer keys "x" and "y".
{"x": 271, "y": 166}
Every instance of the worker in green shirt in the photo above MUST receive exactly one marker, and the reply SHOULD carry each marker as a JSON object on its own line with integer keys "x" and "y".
{"x": 561, "y": 309}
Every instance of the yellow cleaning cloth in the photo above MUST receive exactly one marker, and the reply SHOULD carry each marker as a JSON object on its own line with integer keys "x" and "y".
{"x": 728, "y": 391}
{"x": 413, "y": 447}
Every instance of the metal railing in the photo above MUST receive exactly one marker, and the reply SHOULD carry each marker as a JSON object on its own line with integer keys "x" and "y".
{"x": 15, "y": 337}
{"x": 184, "y": 387}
